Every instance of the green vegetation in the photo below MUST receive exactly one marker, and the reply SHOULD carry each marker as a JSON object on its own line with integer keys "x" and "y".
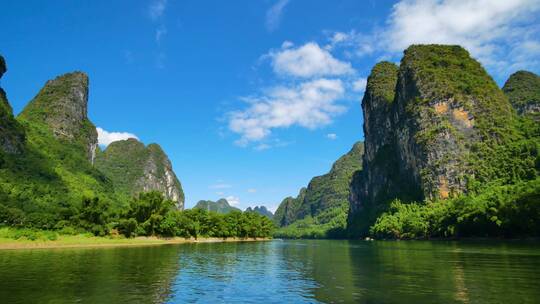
{"x": 221, "y": 206}
{"x": 523, "y": 91}
{"x": 320, "y": 210}
{"x": 382, "y": 81}
{"x": 147, "y": 215}
{"x": 329, "y": 224}
{"x": 509, "y": 211}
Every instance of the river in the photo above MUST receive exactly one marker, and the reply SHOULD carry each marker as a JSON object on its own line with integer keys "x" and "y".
{"x": 302, "y": 271}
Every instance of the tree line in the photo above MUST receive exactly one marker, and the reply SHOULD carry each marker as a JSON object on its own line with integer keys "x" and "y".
{"x": 148, "y": 214}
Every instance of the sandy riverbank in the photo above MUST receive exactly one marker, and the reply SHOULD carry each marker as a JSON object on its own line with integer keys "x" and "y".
{"x": 83, "y": 241}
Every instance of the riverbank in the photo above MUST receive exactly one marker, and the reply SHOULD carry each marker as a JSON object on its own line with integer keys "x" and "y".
{"x": 85, "y": 241}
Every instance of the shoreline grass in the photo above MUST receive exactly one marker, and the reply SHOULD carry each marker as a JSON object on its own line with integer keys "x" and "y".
{"x": 11, "y": 239}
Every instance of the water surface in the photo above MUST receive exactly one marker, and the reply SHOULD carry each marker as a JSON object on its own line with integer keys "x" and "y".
{"x": 277, "y": 272}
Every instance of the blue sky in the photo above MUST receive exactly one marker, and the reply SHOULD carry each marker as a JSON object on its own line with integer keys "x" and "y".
{"x": 250, "y": 99}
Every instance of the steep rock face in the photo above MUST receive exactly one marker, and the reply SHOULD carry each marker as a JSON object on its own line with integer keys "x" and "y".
{"x": 221, "y": 206}
{"x": 445, "y": 104}
{"x": 62, "y": 106}
{"x": 324, "y": 193}
{"x": 11, "y": 133}
{"x": 378, "y": 178}
{"x": 134, "y": 168}
{"x": 523, "y": 91}
{"x": 446, "y": 117}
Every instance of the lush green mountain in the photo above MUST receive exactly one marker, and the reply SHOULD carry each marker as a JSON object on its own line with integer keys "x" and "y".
{"x": 44, "y": 183}
{"x": 320, "y": 210}
{"x": 134, "y": 168}
{"x": 221, "y": 206}
{"x": 523, "y": 91}
{"x": 439, "y": 131}
{"x": 261, "y": 210}
{"x": 47, "y": 155}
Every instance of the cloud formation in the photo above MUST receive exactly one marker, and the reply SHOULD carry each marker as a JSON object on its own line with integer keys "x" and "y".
{"x": 233, "y": 200}
{"x": 331, "y": 136}
{"x": 502, "y": 34}
{"x": 105, "y": 137}
{"x": 160, "y": 32}
{"x": 157, "y": 9}
{"x": 487, "y": 28}
{"x": 220, "y": 186}
{"x": 311, "y": 104}
{"x": 273, "y": 15}
{"x": 308, "y": 60}
{"x": 359, "y": 85}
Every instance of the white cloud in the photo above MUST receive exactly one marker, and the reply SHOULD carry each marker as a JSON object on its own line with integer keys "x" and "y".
{"x": 251, "y": 190}
{"x": 220, "y": 193}
{"x": 273, "y": 15}
{"x": 359, "y": 85}
{"x": 311, "y": 104}
{"x": 360, "y": 44}
{"x": 220, "y": 186}
{"x": 262, "y": 147}
{"x": 308, "y": 60}
{"x": 331, "y": 136}
{"x": 484, "y": 27}
{"x": 160, "y": 32}
{"x": 494, "y": 31}
{"x": 105, "y": 137}
{"x": 157, "y": 8}
{"x": 233, "y": 200}
{"x": 287, "y": 44}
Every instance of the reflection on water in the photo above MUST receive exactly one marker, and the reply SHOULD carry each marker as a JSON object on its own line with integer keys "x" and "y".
{"x": 277, "y": 272}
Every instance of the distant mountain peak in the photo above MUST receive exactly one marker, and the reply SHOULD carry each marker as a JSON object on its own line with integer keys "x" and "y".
{"x": 262, "y": 210}
{"x": 219, "y": 206}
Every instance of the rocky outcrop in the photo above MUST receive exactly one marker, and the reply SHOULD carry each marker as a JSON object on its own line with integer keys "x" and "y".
{"x": 377, "y": 180}
{"x": 221, "y": 206}
{"x": 62, "y": 106}
{"x": 523, "y": 91}
{"x": 134, "y": 168}
{"x": 428, "y": 139}
{"x": 261, "y": 210}
{"x": 11, "y": 133}
{"x": 325, "y": 193}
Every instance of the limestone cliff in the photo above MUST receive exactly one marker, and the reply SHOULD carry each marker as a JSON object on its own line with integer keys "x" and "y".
{"x": 11, "y": 133}
{"x": 378, "y": 179}
{"x": 134, "y": 168}
{"x": 434, "y": 137}
{"x": 62, "y": 107}
{"x": 523, "y": 91}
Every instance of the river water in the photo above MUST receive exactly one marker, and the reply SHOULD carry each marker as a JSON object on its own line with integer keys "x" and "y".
{"x": 303, "y": 271}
